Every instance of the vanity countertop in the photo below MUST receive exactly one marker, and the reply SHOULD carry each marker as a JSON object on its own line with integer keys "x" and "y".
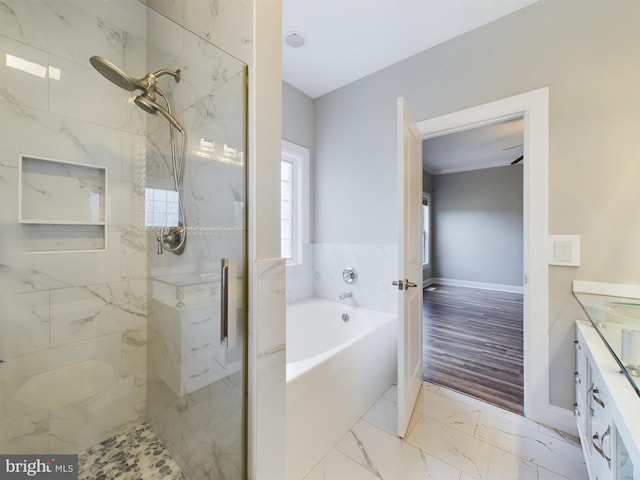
{"x": 614, "y": 312}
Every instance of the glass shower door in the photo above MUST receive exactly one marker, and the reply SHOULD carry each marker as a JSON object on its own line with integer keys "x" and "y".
{"x": 197, "y": 315}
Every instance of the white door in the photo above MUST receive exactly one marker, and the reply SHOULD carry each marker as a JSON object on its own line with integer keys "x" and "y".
{"x": 410, "y": 265}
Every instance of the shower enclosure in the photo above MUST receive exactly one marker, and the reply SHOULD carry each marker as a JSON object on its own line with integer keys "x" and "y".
{"x": 123, "y": 238}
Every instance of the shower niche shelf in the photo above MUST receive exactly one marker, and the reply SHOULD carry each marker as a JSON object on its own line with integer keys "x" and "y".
{"x": 61, "y": 205}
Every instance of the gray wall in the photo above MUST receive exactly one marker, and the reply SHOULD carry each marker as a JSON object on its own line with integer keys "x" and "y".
{"x": 298, "y": 113}
{"x": 477, "y": 226}
{"x": 587, "y": 54}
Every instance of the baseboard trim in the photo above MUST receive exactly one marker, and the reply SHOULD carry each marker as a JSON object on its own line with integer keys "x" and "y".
{"x": 554, "y": 417}
{"x": 481, "y": 285}
{"x": 427, "y": 282}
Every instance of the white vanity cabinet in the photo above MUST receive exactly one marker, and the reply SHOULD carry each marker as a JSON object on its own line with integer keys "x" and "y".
{"x": 607, "y": 410}
{"x": 582, "y": 379}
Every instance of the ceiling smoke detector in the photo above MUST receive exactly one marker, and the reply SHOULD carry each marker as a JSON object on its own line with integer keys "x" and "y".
{"x": 294, "y": 39}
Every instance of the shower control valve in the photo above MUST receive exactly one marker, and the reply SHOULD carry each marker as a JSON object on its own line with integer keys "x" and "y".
{"x": 173, "y": 240}
{"x": 349, "y": 275}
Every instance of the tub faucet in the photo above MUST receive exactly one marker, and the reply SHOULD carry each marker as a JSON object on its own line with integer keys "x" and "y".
{"x": 346, "y": 294}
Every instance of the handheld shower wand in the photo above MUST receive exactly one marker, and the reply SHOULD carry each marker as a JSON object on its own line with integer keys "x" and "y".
{"x": 171, "y": 238}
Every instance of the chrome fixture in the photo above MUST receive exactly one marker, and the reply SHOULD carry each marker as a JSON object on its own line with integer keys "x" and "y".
{"x": 350, "y": 275}
{"x": 345, "y": 317}
{"x": 346, "y": 294}
{"x": 172, "y": 238}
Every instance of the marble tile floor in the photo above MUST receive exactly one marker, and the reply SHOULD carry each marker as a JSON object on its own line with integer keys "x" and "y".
{"x": 136, "y": 454}
{"x": 451, "y": 437}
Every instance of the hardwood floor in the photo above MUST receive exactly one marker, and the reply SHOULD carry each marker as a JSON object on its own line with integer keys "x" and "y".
{"x": 473, "y": 343}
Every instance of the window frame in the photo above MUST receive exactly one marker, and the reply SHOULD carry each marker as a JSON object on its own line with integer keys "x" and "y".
{"x": 426, "y": 232}
{"x": 298, "y": 156}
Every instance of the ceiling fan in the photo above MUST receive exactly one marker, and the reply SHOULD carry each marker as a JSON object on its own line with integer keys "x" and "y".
{"x": 517, "y": 160}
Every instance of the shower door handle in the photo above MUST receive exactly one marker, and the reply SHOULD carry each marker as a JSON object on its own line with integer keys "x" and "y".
{"x": 228, "y": 303}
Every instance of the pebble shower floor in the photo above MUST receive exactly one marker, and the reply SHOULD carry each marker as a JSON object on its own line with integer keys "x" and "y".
{"x": 136, "y": 454}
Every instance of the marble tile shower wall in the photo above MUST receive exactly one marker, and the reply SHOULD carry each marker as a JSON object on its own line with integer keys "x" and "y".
{"x": 225, "y": 23}
{"x": 73, "y": 325}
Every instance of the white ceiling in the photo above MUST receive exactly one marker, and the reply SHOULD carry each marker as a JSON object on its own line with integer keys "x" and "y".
{"x": 488, "y": 146}
{"x": 350, "y": 39}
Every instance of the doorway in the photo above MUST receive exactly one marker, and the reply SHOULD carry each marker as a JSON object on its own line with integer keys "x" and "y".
{"x": 473, "y": 307}
{"x": 534, "y": 107}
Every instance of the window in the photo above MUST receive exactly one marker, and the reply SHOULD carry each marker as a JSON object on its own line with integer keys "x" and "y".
{"x": 287, "y": 226}
{"x": 425, "y": 229}
{"x": 294, "y": 202}
{"x": 161, "y": 207}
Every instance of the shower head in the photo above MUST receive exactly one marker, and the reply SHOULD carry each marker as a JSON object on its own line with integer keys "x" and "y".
{"x": 147, "y": 99}
{"x": 149, "y": 105}
{"x": 116, "y": 75}
{"x": 122, "y": 79}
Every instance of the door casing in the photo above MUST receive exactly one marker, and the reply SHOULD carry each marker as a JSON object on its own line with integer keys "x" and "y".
{"x": 533, "y": 106}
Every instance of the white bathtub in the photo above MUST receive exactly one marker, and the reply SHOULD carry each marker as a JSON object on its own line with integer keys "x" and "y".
{"x": 335, "y": 371}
